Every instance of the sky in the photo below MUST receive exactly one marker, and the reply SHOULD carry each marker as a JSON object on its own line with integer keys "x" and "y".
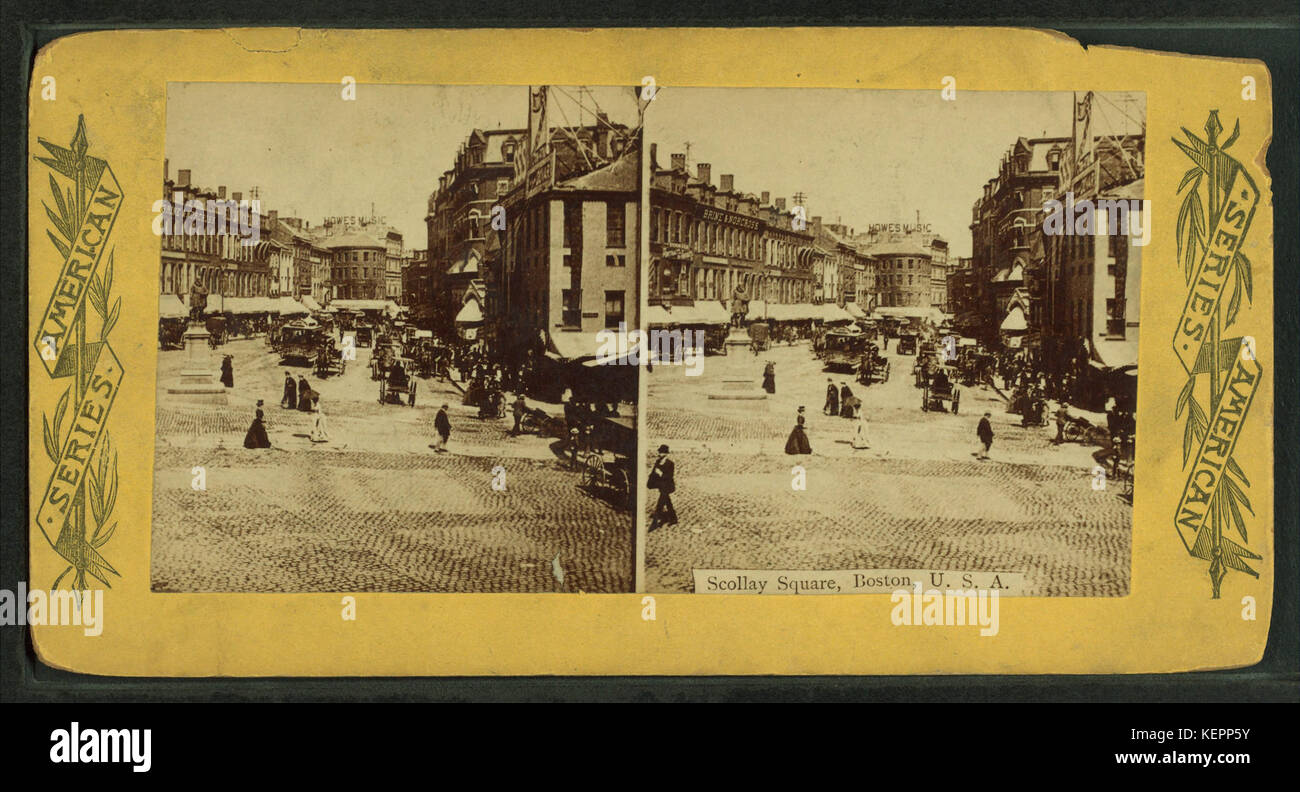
{"x": 864, "y": 157}
{"x": 313, "y": 154}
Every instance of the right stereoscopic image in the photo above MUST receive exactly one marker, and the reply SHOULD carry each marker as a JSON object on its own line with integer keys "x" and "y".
{"x": 893, "y": 340}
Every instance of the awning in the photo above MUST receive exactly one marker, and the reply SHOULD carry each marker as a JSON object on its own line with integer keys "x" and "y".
{"x": 291, "y": 307}
{"x": 833, "y": 313}
{"x": 392, "y": 308}
{"x": 1015, "y": 321}
{"x": 470, "y": 313}
{"x": 616, "y": 351}
{"x": 673, "y": 315}
{"x": 248, "y": 305}
{"x": 1116, "y": 354}
{"x": 712, "y": 312}
{"x": 310, "y": 303}
{"x": 572, "y": 345}
{"x": 360, "y": 305}
{"x": 171, "y": 307}
{"x": 855, "y": 311}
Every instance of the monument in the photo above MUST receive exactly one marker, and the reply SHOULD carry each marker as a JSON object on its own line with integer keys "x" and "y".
{"x": 198, "y": 381}
{"x": 734, "y": 386}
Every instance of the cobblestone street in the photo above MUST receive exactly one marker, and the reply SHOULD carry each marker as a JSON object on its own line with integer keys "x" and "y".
{"x": 916, "y": 498}
{"x": 374, "y": 509}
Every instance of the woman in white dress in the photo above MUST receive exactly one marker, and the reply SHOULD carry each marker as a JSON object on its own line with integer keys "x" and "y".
{"x": 860, "y": 431}
{"x": 318, "y": 432}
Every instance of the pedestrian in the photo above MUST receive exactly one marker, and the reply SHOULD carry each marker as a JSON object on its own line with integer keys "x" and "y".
{"x": 985, "y": 434}
{"x": 846, "y": 393}
{"x": 227, "y": 372}
{"x": 256, "y": 436}
{"x": 290, "y": 398}
{"x": 860, "y": 441}
{"x": 797, "y": 442}
{"x": 1062, "y": 417}
{"x": 304, "y": 395}
{"x": 442, "y": 424}
{"x": 832, "y": 399}
{"x": 661, "y": 478}
{"x": 520, "y": 409}
{"x": 319, "y": 434}
{"x": 769, "y": 377}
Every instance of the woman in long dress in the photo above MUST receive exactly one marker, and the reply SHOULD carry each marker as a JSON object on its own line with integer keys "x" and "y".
{"x": 860, "y": 432}
{"x": 227, "y": 372}
{"x": 318, "y": 431}
{"x": 798, "y": 440}
{"x": 769, "y": 377}
{"x": 257, "y": 437}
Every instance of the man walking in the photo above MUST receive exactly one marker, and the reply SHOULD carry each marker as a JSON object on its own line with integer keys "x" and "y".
{"x": 1062, "y": 416}
{"x": 520, "y": 409}
{"x": 832, "y": 399}
{"x": 985, "y": 433}
{"x": 442, "y": 424}
{"x": 290, "y": 398}
{"x": 661, "y": 478}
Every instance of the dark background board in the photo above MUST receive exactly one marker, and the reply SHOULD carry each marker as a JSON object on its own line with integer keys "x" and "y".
{"x": 1267, "y": 30}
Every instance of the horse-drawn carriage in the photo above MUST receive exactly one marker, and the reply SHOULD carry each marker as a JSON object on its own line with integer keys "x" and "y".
{"x": 608, "y": 465}
{"x": 907, "y": 343}
{"x": 396, "y": 381}
{"x": 873, "y": 367}
{"x": 842, "y": 349}
{"x": 939, "y": 392}
{"x": 364, "y": 334}
{"x": 330, "y": 359}
{"x": 301, "y": 340}
{"x": 715, "y": 339}
{"x": 760, "y": 337}
{"x": 382, "y": 355}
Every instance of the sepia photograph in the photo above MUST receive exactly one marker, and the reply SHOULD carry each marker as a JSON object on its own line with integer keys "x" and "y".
{"x": 381, "y": 309}
{"x": 910, "y": 324}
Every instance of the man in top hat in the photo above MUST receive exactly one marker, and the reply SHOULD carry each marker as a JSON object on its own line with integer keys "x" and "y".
{"x": 661, "y": 478}
{"x": 290, "y": 398}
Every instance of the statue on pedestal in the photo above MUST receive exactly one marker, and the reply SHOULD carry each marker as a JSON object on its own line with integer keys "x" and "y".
{"x": 739, "y": 306}
{"x": 198, "y": 302}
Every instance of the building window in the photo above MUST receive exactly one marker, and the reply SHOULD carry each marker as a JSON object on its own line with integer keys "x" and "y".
{"x": 572, "y": 313}
{"x": 616, "y": 260}
{"x": 615, "y": 225}
{"x": 613, "y": 308}
{"x": 572, "y": 224}
{"x": 654, "y": 225}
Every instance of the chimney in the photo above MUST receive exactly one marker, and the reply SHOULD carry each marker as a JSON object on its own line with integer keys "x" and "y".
{"x": 183, "y": 178}
{"x": 221, "y": 192}
{"x": 817, "y": 224}
{"x": 767, "y": 198}
{"x": 272, "y": 217}
{"x": 705, "y": 171}
{"x": 780, "y": 204}
{"x": 727, "y": 182}
{"x": 237, "y": 197}
{"x": 654, "y": 156}
{"x": 679, "y": 161}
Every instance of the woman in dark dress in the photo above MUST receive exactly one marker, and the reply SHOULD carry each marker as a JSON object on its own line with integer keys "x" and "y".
{"x": 304, "y": 396}
{"x": 256, "y": 437}
{"x": 798, "y": 441}
{"x": 227, "y": 372}
{"x": 769, "y": 377}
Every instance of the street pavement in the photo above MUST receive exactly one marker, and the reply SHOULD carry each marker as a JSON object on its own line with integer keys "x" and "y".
{"x": 375, "y": 508}
{"x": 916, "y": 499}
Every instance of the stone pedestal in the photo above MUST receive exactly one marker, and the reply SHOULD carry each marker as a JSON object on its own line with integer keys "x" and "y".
{"x": 198, "y": 381}
{"x": 737, "y": 341}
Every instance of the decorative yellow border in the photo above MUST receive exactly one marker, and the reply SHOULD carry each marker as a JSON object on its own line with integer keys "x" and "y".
{"x": 117, "y": 80}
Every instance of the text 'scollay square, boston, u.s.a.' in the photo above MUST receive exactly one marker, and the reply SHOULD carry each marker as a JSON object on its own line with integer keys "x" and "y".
{"x": 477, "y": 352}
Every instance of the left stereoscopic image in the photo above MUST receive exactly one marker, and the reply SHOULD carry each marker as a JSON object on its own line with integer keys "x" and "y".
{"x": 382, "y": 316}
